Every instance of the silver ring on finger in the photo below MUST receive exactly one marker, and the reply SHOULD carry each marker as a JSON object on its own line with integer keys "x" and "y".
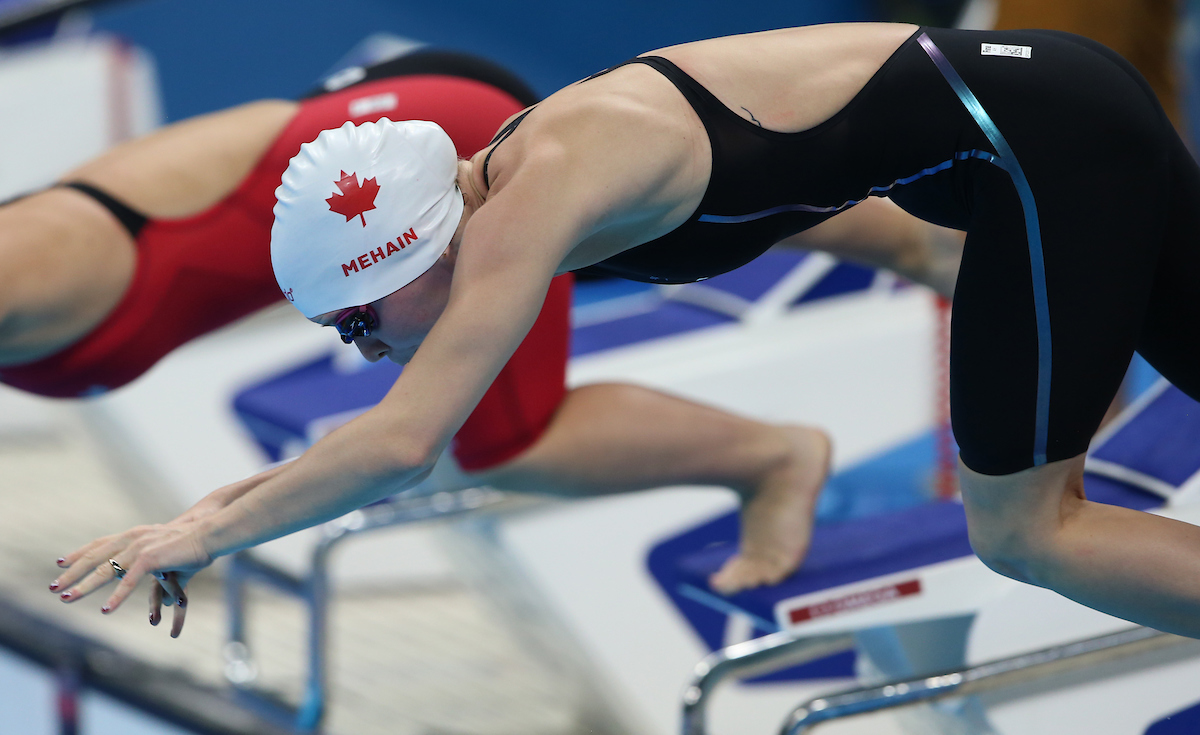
{"x": 117, "y": 568}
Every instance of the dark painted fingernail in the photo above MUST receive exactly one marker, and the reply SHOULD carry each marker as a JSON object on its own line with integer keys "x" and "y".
{"x": 61, "y": 560}
{"x": 154, "y": 620}
{"x": 182, "y": 602}
{"x": 54, "y": 585}
{"x": 105, "y": 609}
{"x": 65, "y": 595}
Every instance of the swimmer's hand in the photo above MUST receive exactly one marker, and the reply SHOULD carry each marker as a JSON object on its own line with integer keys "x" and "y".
{"x": 171, "y": 552}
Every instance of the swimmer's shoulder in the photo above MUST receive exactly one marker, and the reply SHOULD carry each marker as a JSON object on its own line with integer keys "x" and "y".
{"x": 626, "y": 125}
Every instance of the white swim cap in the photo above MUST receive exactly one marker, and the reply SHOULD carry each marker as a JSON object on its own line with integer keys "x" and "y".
{"x": 362, "y": 212}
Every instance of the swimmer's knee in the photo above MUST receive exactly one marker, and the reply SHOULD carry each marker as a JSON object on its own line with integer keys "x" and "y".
{"x": 1006, "y": 550}
{"x": 1028, "y": 552}
{"x": 1015, "y": 521}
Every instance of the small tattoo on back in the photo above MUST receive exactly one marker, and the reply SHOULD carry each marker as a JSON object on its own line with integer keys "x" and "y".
{"x": 753, "y": 119}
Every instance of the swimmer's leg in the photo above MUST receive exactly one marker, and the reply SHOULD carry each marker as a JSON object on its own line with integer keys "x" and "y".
{"x": 1170, "y": 338}
{"x": 185, "y": 168}
{"x": 1111, "y": 284}
{"x": 880, "y": 234}
{"x": 66, "y": 261}
{"x": 1037, "y": 526}
{"x": 612, "y": 438}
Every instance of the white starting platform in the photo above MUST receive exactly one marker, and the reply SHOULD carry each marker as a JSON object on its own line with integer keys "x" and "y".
{"x": 914, "y": 603}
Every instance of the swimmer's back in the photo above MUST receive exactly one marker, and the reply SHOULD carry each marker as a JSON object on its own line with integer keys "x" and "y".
{"x": 648, "y": 170}
{"x": 791, "y": 79}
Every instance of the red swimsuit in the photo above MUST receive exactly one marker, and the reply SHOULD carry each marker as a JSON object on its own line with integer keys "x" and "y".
{"x": 197, "y": 274}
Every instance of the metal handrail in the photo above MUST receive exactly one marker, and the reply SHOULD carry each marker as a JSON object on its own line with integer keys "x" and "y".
{"x": 313, "y": 589}
{"x": 81, "y": 663}
{"x": 992, "y": 675}
{"x": 768, "y": 653}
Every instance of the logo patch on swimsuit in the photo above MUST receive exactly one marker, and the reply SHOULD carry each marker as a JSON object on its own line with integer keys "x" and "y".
{"x": 364, "y": 106}
{"x": 355, "y": 198}
{"x": 345, "y": 78}
{"x": 1003, "y": 49}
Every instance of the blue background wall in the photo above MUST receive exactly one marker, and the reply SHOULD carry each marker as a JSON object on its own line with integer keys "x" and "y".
{"x": 216, "y": 53}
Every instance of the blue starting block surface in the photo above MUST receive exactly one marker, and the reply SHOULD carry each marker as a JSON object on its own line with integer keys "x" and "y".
{"x": 913, "y": 536}
{"x": 1184, "y": 722}
{"x": 1158, "y": 446}
{"x": 283, "y": 411}
{"x": 749, "y": 283}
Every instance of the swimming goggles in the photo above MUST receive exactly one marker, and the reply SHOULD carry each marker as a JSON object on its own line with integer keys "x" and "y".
{"x": 357, "y": 321}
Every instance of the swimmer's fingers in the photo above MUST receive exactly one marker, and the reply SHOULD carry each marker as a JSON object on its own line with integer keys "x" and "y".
{"x": 74, "y": 556}
{"x": 181, "y": 581}
{"x": 133, "y": 574}
{"x": 172, "y": 552}
{"x": 99, "y": 576}
{"x": 180, "y": 610}
{"x": 164, "y": 592}
{"x": 81, "y": 562}
{"x": 156, "y": 600}
{"x": 169, "y": 589}
{"x": 166, "y": 585}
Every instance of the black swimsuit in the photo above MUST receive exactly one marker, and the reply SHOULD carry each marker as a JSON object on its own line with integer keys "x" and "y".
{"x": 1081, "y": 204}
{"x": 766, "y": 185}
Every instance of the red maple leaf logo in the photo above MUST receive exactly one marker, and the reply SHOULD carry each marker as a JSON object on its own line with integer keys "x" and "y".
{"x": 355, "y": 198}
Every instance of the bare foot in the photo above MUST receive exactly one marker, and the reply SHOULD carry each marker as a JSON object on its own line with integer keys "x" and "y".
{"x": 777, "y": 517}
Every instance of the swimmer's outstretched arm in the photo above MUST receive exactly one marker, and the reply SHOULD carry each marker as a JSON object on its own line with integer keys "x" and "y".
{"x": 221, "y": 497}
{"x": 612, "y": 438}
{"x": 205, "y": 507}
{"x": 170, "y": 589}
{"x": 559, "y": 191}
{"x": 504, "y": 268}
